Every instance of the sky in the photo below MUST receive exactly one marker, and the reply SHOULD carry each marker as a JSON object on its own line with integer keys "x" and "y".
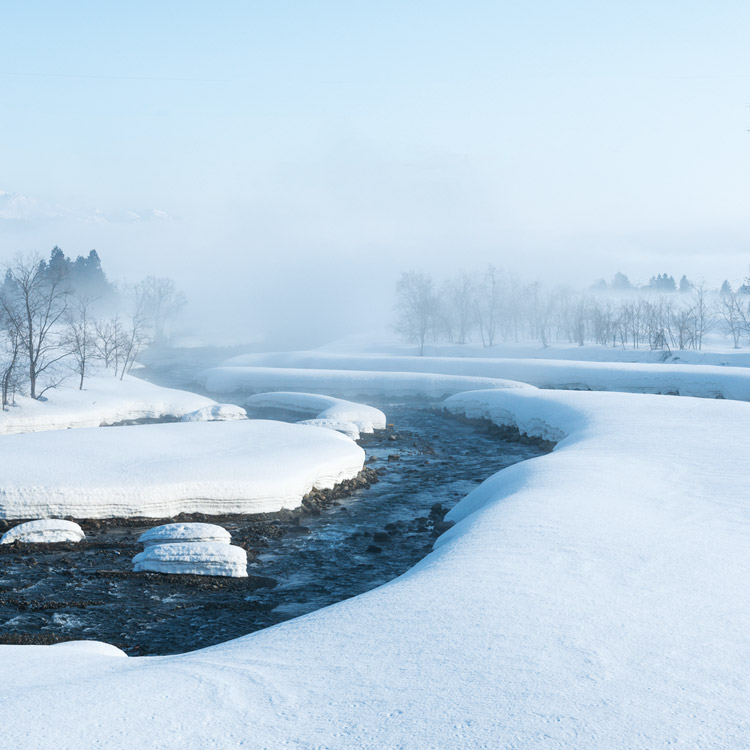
{"x": 286, "y": 159}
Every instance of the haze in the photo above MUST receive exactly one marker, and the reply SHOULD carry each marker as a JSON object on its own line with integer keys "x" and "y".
{"x": 285, "y": 161}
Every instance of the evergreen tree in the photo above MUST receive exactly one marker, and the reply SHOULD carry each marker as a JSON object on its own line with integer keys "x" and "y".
{"x": 621, "y": 282}
{"x": 726, "y": 288}
{"x": 685, "y": 284}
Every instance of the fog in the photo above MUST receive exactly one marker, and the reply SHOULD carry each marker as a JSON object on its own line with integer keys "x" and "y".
{"x": 284, "y": 164}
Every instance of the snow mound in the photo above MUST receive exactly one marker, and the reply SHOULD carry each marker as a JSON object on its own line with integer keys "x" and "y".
{"x": 45, "y": 531}
{"x": 343, "y": 382}
{"x": 347, "y": 428}
{"x": 161, "y": 470}
{"x": 218, "y": 413}
{"x": 170, "y": 533}
{"x": 365, "y": 418}
{"x": 193, "y": 558}
{"x": 104, "y": 400}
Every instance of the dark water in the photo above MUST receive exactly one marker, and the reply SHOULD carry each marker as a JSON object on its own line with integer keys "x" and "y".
{"x": 300, "y": 562}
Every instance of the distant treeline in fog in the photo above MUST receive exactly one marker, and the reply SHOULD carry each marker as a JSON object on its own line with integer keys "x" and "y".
{"x": 493, "y": 307}
{"x": 63, "y": 316}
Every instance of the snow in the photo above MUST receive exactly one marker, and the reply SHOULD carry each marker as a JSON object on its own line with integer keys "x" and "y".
{"x": 44, "y": 531}
{"x": 185, "y": 532}
{"x": 160, "y": 470}
{"x": 342, "y": 382}
{"x": 193, "y": 558}
{"x": 595, "y": 597}
{"x": 104, "y": 400}
{"x": 218, "y": 413}
{"x": 367, "y": 419}
{"x": 347, "y": 428}
{"x": 708, "y": 381}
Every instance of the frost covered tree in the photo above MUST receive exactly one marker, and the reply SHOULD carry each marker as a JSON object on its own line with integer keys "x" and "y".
{"x": 458, "y": 295}
{"x": 158, "y": 301}
{"x": 35, "y": 298}
{"x": 415, "y": 307}
{"x": 79, "y": 337}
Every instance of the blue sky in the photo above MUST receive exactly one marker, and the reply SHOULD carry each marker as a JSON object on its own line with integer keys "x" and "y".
{"x": 351, "y": 138}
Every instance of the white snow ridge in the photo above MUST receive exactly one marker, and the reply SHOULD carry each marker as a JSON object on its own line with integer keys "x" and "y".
{"x": 169, "y": 533}
{"x": 45, "y": 531}
{"x": 193, "y": 558}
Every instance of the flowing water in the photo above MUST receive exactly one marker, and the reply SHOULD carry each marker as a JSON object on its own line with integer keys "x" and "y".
{"x": 299, "y": 561}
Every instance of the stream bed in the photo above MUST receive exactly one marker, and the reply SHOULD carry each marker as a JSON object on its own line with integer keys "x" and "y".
{"x": 299, "y": 561}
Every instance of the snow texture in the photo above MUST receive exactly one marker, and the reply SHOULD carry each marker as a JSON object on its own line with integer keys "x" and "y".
{"x": 104, "y": 400}
{"x": 193, "y": 558}
{"x": 706, "y": 381}
{"x": 218, "y": 413}
{"x": 367, "y": 419}
{"x": 342, "y": 382}
{"x": 347, "y": 428}
{"x": 45, "y": 531}
{"x": 595, "y": 597}
{"x": 185, "y": 532}
{"x": 161, "y": 470}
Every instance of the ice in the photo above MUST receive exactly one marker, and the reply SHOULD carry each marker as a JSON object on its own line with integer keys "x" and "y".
{"x": 44, "y": 531}
{"x": 185, "y": 532}
{"x": 193, "y": 558}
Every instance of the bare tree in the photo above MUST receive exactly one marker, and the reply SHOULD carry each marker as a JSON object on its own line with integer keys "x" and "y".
{"x": 78, "y": 337}
{"x": 36, "y": 298}
{"x": 108, "y": 341}
{"x": 159, "y": 301}
{"x": 730, "y": 314}
{"x": 487, "y": 305}
{"x": 134, "y": 336}
{"x": 415, "y": 307}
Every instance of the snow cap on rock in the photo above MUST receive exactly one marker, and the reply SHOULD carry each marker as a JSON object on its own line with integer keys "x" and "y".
{"x": 218, "y": 413}
{"x": 170, "y": 533}
{"x": 44, "y": 531}
{"x": 193, "y": 558}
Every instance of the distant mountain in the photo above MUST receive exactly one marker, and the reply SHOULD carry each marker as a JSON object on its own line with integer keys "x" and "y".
{"x": 15, "y": 207}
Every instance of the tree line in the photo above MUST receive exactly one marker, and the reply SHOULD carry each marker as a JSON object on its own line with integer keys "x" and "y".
{"x": 492, "y": 307}
{"x": 60, "y": 316}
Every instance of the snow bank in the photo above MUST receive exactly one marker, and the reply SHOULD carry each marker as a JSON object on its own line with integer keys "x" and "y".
{"x": 160, "y": 470}
{"x": 706, "y": 381}
{"x": 45, "y": 531}
{"x": 185, "y": 532}
{"x": 347, "y": 428}
{"x": 104, "y": 400}
{"x": 193, "y": 558}
{"x": 595, "y": 597}
{"x": 218, "y": 413}
{"x": 342, "y": 382}
{"x": 365, "y": 418}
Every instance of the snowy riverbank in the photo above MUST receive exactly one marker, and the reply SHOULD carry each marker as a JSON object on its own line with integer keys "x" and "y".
{"x": 594, "y": 597}
{"x": 104, "y": 400}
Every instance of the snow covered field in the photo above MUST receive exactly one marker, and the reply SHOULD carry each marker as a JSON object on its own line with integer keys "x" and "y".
{"x": 592, "y": 598}
{"x": 160, "y": 470}
{"x": 708, "y": 381}
{"x": 353, "y": 382}
{"x": 104, "y": 400}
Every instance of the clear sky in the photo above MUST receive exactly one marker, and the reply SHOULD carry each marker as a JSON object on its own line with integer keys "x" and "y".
{"x": 289, "y": 148}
